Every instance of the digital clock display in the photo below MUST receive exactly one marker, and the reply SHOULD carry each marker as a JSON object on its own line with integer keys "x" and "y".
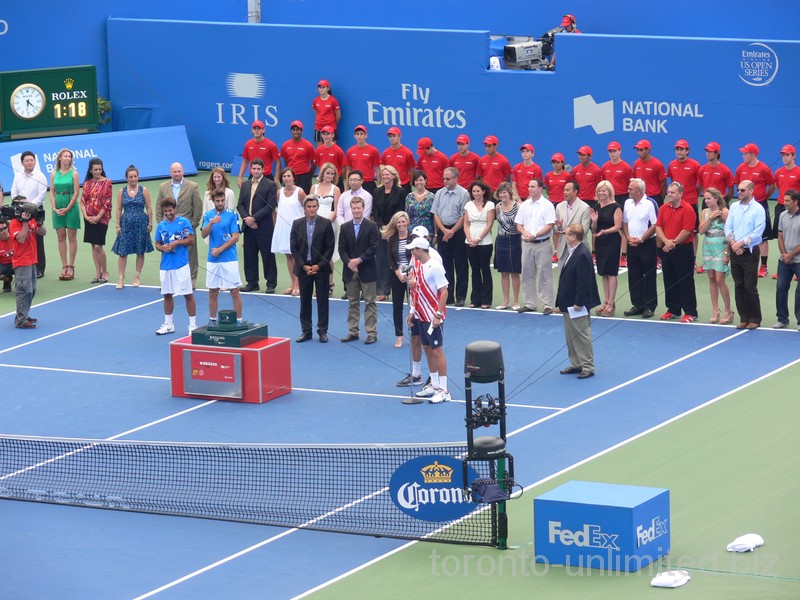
{"x": 42, "y": 100}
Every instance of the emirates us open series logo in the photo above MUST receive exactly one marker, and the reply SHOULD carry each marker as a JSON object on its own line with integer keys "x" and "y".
{"x": 758, "y": 64}
{"x": 431, "y": 488}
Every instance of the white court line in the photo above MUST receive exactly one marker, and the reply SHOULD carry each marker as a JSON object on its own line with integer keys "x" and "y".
{"x": 561, "y": 411}
{"x": 46, "y": 302}
{"x": 563, "y": 471}
{"x": 85, "y": 324}
{"x": 84, "y": 372}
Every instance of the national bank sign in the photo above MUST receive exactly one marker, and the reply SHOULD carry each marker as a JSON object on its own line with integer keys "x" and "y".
{"x": 653, "y": 116}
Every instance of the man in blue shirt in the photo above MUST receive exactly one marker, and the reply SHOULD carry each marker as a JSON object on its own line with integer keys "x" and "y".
{"x": 174, "y": 235}
{"x": 221, "y": 227}
{"x": 743, "y": 229}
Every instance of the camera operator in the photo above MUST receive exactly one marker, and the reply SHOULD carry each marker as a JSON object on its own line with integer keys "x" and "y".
{"x": 24, "y": 231}
{"x": 568, "y": 25}
{"x": 6, "y": 252}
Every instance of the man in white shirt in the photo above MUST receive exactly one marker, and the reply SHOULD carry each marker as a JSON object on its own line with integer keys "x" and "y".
{"x": 31, "y": 183}
{"x": 535, "y": 220}
{"x": 639, "y": 227}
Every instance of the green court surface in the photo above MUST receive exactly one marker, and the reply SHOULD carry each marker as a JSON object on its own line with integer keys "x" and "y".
{"x": 731, "y": 467}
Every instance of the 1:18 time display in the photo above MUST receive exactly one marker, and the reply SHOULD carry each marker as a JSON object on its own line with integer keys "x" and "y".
{"x": 70, "y": 111}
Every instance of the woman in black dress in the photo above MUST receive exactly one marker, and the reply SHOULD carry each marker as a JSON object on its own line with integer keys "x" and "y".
{"x": 606, "y": 226}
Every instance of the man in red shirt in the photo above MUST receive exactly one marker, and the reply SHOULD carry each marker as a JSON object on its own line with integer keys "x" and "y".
{"x": 23, "y": 232}
{"x": 787, "y": 178}
{"x": 465, "y": 161}
{"x": 363, "y": 157}
{"x": 399, "y": 157}
{"x": 493, "y": 167}
{"x": 587, "y": 175}
{"x": 263, "y": 148}
{"x": 298, "y": 154}
{"x": 686, "y": 171}
{"x": 650, "y": 170}
{"x": 329, "y": 151}
{"x": 760, "y": 174}
{"x": 715, "y": 174}
{"x": 524, "y": 172}
{"x": 432, "y": 162}
{"x": 618, "y": 172}
{"x": 675, "y": 231}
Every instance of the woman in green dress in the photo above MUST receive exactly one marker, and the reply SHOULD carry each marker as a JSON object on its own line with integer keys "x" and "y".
{"x": 64, "y": 190}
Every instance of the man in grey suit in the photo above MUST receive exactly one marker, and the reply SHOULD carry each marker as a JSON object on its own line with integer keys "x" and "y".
{"x": 577, "y": 290}
{"x": 358, "y": 246}
{"x": 190, "y": 205}
{"x": 572, "y": 210}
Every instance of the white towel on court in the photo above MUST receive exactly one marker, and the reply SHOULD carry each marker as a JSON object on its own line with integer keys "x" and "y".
{"x": 746, "y": 543}
{"x": 670, "y": 579}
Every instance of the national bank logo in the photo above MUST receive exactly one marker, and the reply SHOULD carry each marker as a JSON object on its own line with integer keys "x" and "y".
{"x": 598, "y": 115}
{"x": 430, "y": 488}
{"x": 246, "y": 101}
{"x": 758, "y": 64}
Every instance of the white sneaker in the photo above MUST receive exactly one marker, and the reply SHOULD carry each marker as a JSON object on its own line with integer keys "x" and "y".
{"x": 426, "y": 392}
{"x": 165, "y": 329}
{"x": 191, "y": 328}
{"x": 439, "y": 397}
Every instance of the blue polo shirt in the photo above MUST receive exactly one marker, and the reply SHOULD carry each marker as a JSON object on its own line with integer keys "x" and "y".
{"x": 220, "y": 234}
{"x": 179, "y": 229}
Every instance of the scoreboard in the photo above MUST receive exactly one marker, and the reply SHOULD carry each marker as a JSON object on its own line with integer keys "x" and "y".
{"x": 46, "y": 102}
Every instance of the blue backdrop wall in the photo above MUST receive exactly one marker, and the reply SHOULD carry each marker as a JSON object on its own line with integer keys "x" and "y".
{"x": 435, "y": 83}
{"x": 771, "y": 19}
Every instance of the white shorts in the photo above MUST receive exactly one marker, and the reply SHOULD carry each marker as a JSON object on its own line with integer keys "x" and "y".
{"x": 223, "y": 275}
{"x": 177, "y": 282}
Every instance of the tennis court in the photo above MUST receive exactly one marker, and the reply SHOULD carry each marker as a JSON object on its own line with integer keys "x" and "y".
{"x": 94, "y": 369}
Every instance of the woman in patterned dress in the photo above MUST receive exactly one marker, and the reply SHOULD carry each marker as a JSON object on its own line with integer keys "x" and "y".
{"x": 96, "y": 210}
{"x": 134, "y": 223}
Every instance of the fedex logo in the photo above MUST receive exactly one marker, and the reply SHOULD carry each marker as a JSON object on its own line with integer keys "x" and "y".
{"x": 658, "y": 527}
{"x": 591, "y": 536}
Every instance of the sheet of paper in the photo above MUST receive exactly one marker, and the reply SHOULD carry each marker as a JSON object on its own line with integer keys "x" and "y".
{"x": 574, "y": 313}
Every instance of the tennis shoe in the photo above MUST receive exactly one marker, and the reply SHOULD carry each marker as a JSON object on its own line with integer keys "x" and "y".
{"x": 688, "y": 319}
{"x": 762, "y": 271}
{"x": 439, "y": 397}
{"x": 409, "y": 380}
{"x": 165, "y": 329}
{"x": 192, "y": 328}
{"x": 427, "y": 392}
{"x": 667, "y": 316}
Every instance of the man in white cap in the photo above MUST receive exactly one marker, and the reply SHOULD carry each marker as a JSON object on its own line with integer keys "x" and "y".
{"x": 428, "y": 305}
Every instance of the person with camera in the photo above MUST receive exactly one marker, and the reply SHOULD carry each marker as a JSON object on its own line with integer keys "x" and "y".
{"x": 24, "y": 230}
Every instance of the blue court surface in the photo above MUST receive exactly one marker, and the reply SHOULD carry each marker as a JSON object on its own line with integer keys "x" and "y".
{"x": 95, "y": 369}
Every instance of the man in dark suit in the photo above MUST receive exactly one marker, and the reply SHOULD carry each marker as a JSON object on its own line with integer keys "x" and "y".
{"x": 258, "y": 201}
{"x": 187, "y": 197}
{"x": 577, "y": 291}
{"x": 312, "y": 243}
{"x": 358, "y": 246}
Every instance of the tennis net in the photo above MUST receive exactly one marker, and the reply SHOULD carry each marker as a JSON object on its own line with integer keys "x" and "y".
{"x": 403, "y": 491}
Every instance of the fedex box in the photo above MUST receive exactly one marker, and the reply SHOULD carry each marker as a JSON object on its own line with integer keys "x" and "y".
{"x": 601, "y": 526}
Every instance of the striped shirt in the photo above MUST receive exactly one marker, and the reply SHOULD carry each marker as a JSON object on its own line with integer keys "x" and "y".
{"x": 425, "y": 295}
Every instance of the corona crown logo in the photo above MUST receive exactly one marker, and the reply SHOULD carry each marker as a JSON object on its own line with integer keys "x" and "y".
{"x": 437, "y": 473}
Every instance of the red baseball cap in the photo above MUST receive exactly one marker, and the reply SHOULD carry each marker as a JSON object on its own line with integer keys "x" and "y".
{"x": 462, "y": 139}
{"x": 258, "y": 124}
{"x": 614, "y": 146}
{"x": 713, "y": 147}
{"x": 361, "y": 127}
{"x": 788, "y": 149}
{"x": 327, "y": 129}
{"x": 557, "y": 156}
{"x": 491, "y": 139}
{"x": 642, "y": 144}
{"x": 393, "y": 131}
{"x": 750, "y": 147}
{"x": 423, "y": 144}
{"x": 297, "y": 123}
{"x": 585, "y": 150}
{"x": 324, "y": 82}
{"x": 682, "y": 144}
{"x": 567, "y": 20}
{"x": 527, "y": 147}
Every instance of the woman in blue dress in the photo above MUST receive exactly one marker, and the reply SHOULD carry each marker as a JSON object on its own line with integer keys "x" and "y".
{"x": 134, "y": 223}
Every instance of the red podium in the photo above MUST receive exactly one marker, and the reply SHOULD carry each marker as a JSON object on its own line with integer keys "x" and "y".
{"x": 256, "y": 373}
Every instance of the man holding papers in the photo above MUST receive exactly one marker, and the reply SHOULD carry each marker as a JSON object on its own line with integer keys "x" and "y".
{"x": 577, "y": 295}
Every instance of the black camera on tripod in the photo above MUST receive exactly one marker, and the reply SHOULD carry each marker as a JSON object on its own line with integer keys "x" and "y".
{"x": 16, "y": 209}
